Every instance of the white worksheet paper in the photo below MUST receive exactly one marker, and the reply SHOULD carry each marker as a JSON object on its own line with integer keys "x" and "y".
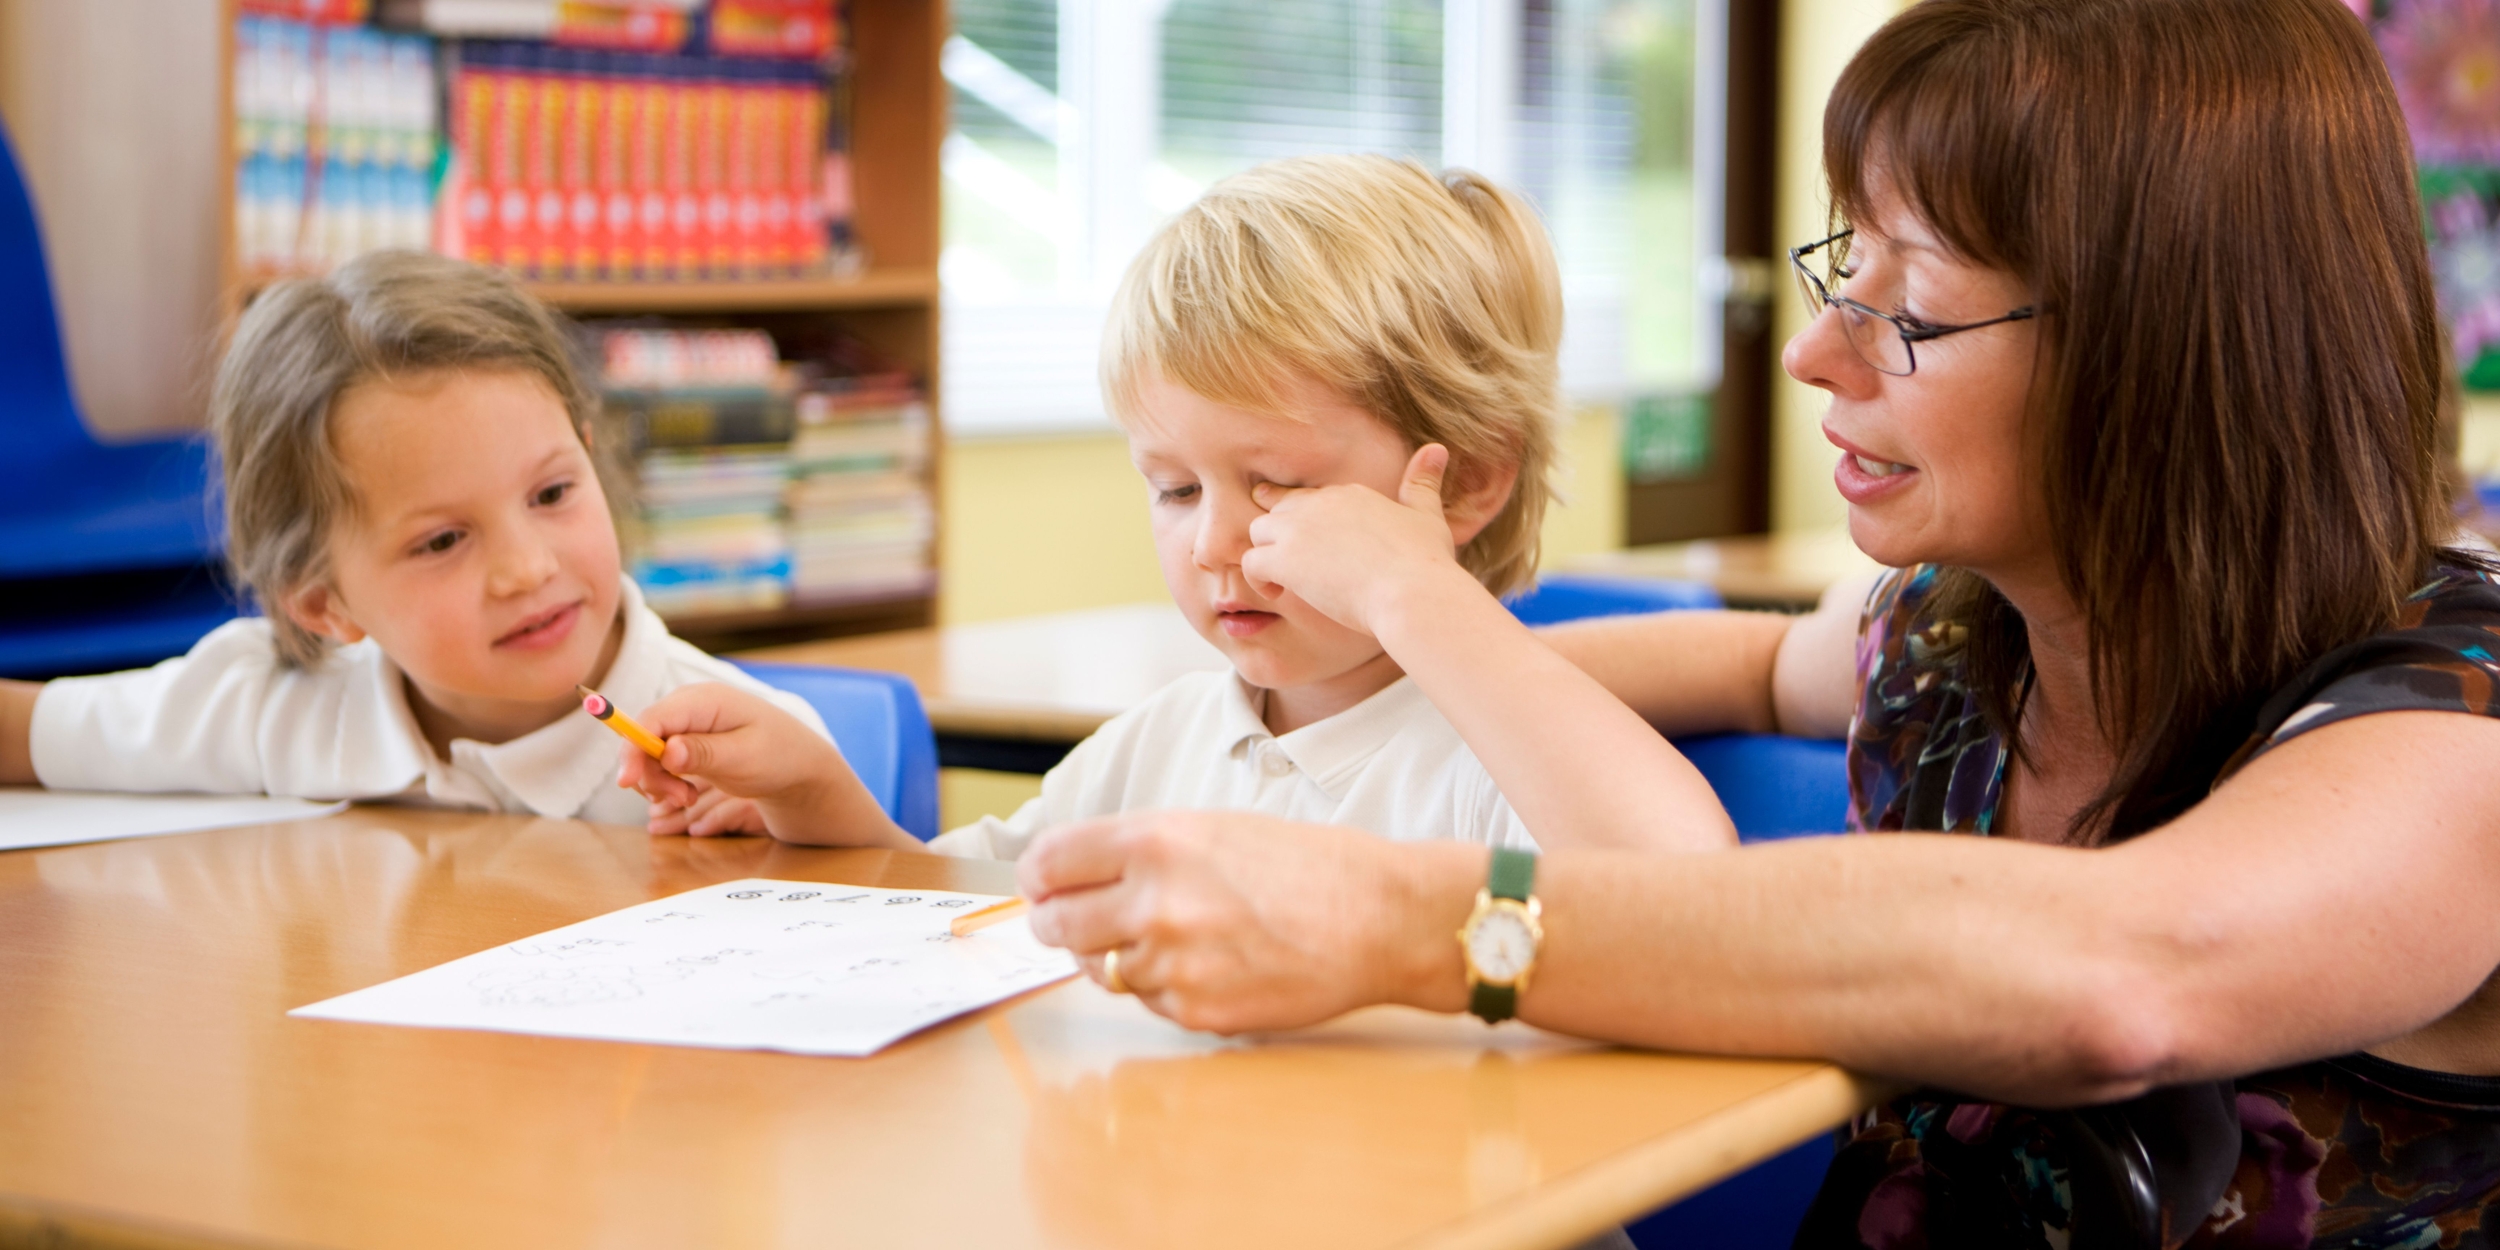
{"x": 750, "y": 965}
{"x": 31, "y": 817}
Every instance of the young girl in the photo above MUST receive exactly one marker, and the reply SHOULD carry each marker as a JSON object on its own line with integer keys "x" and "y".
{"x": 1312, "y": 321}
{"x": 412, "y": 499}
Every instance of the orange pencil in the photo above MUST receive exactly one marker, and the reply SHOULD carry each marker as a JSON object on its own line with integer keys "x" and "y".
{"x": 598, "y": 706}
{"x": 975, "y": 920}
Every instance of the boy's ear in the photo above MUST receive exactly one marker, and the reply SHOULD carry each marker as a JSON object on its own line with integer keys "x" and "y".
{"x": 317, "y": 608}
{"x": 1471, "y": 507}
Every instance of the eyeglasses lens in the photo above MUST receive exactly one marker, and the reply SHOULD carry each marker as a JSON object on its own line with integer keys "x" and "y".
{"x": 1878, "y": 341}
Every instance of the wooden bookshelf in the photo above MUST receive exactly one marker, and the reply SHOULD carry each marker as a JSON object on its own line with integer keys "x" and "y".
{"x": 898, "y": 120}
{"x": 877, "y": 288}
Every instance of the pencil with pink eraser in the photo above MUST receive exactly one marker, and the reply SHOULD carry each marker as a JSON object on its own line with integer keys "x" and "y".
{"x": 625, "y": 726}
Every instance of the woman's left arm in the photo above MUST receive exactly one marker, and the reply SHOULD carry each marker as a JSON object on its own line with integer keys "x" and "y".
{"x": 2336, "y": 894}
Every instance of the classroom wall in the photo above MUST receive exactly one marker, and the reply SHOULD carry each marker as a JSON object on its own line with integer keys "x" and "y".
{"x": 1817, "y": 38}
{"x": 1057, "y": 523}
{"x": 112, "y": 110}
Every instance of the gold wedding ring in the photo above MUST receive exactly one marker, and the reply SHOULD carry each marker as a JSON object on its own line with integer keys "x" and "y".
{"x": 1111, "y": 972}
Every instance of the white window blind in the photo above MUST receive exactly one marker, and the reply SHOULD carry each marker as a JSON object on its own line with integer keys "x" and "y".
{"x": 1080, "y": 125}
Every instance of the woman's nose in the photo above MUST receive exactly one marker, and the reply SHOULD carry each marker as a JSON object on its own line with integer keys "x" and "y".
{"x": 1820, "y": 356}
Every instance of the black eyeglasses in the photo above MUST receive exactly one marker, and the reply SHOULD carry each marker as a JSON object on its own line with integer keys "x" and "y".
{"x": 1885, "y": 353}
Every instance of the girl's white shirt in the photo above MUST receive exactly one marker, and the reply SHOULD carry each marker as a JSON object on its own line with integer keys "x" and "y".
{"x": 228, "y": 718}
{"x": 1391, "y": 765}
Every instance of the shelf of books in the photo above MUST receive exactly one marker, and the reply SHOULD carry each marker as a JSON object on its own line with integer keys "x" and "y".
{"x": 678, "y": 176}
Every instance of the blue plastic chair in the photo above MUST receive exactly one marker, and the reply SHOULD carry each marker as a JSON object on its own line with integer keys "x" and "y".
{"x": 107, "y": 552}
{"x": 877, "y": 720}
{"x": 58, "y": 627}
{"x": 1773, "y": 787}
{"x": 75, "y": 505}
{"x": 1570, "y": 597}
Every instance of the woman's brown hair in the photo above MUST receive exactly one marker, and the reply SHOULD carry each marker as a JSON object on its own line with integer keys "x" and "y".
{"x": 2213, "y": 203}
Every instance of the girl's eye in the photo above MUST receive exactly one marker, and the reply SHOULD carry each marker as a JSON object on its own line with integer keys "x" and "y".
{"x": 1177, "y": 494}
{"x": 551, "y": 495}
{"x": 439, "y": 543}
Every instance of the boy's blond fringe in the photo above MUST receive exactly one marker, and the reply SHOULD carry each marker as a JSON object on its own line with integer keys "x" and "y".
{"x": 1431, "y": 301}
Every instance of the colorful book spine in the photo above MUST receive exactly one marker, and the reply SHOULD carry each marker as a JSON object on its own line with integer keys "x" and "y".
{"x": 607, "y": 165}
{"x": 335, "y": 139}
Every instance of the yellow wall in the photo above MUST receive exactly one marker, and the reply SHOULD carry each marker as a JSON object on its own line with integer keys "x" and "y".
{"x": 1817, "y": 38}
{"x": 1059, "y": 523}
{"x": 2481, "y": 452}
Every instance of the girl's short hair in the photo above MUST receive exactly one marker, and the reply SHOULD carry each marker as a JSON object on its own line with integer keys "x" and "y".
{"x": 1429, "y": 300}
{"x": 2237, "y": 396}
{"x": 304, "y": 342}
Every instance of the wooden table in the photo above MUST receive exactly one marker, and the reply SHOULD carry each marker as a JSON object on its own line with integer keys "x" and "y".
{"x": 155, "y": 1093}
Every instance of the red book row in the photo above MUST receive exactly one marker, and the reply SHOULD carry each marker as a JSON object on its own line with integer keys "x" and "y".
{"x": 590, "y": 165}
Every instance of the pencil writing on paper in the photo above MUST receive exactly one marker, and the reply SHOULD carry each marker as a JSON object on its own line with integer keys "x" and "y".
{"x": 973, "y": 921}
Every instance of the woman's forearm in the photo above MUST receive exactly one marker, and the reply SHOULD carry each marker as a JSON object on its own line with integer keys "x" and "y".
{"x": 1581, "y": 769}
{"x": 1937, "y": 959}
{"x": 1683, "y": 672}
{"x": 2332, "y": 896}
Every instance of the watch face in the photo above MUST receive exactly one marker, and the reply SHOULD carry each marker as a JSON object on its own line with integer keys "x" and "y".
{"x": 1501, "y": 946}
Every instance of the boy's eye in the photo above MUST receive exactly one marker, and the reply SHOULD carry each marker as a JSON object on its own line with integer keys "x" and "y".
{"x": 1177, "y": 494}
{"x": 551, "y": 494}
{"x": 436, "y": 544}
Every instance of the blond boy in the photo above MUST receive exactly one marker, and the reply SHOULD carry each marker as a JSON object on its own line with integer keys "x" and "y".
{"x": 1314, "y": 321}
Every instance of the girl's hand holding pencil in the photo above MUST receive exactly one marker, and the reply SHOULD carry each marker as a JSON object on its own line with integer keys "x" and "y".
{"x": 718, "y": 745}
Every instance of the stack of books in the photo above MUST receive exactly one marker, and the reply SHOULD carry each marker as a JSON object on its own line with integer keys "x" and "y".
{"x": 335, "y": 138}
{"x": 710, "y": 415}
{"x": 861, "y": 521}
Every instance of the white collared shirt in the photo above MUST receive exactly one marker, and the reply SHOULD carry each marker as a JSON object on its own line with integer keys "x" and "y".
{"x": 1390, "y": 764}
{"x": 227, "y": 718}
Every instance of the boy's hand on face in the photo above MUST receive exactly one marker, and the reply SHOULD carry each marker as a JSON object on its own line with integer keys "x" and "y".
{"x": 736, "y": 763}
{"x": 1350, "y": 551}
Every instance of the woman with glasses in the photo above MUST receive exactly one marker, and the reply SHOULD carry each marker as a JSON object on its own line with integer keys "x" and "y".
{"x": 2175, "y": 719}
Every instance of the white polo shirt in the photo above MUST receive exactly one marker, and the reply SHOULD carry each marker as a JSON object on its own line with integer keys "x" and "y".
{"x": 229, "y": 719}
{"x": 1390, "y": 765}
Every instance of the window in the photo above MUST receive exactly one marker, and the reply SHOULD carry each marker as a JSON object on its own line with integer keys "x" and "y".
{"x": 1081, "y": 124}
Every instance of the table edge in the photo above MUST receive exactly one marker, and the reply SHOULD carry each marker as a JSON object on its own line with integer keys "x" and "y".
{"x": 1581, "y": 1204}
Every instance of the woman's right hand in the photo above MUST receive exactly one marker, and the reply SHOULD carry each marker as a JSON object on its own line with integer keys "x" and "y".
{"x": 1233, "y": 922}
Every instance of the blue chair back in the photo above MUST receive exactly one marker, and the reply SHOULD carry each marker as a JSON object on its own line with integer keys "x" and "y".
{"x": 877, "y": 720}
{"x": 75, "y": 505}
{"x": 1775, "y": 786}
{"x": 1569, "y": 597}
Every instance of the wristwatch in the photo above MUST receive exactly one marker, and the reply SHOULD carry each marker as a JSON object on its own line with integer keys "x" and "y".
{"x": 1501, "y": 937}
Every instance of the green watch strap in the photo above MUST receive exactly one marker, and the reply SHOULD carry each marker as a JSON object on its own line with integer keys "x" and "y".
{"x": 1511, "y": 877}
{"x": 1493, "y": 1003}
{"x": 1513, "y": 873}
